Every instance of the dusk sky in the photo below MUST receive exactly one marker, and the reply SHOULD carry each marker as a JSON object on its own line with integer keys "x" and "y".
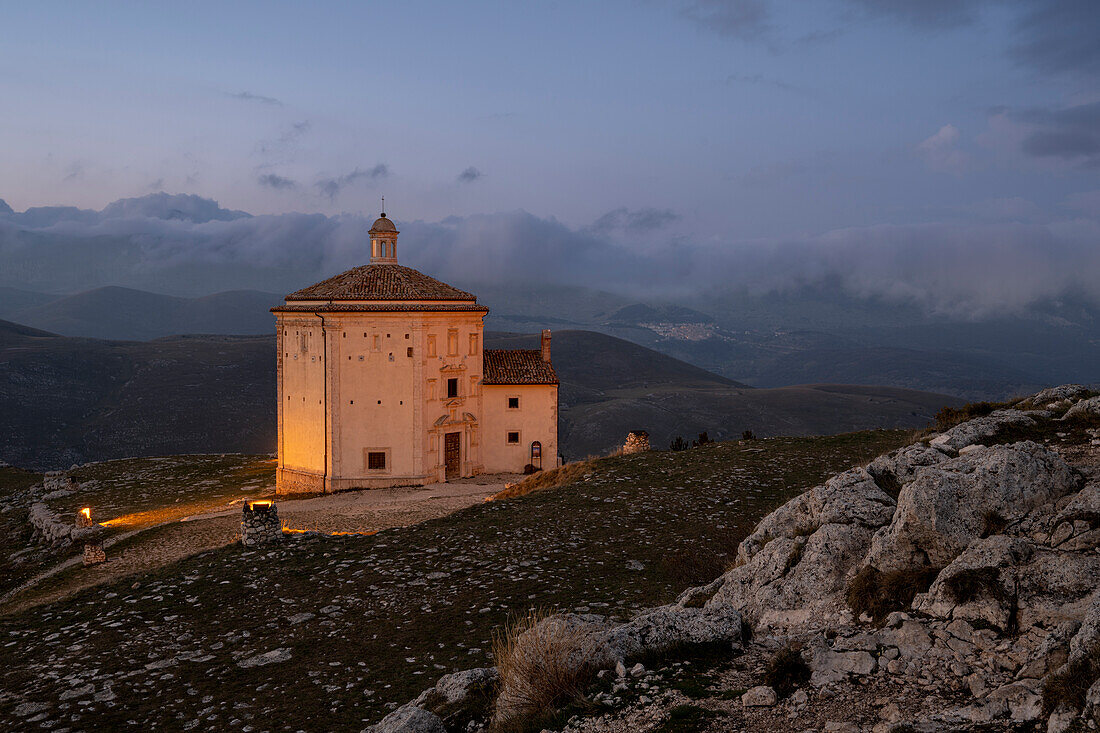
{"x": 736, "y": 121}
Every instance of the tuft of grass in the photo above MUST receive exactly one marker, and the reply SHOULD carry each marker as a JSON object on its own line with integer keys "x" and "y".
{"x": 555, "y": 477}
{"x": 544, "y": 665}
{"x": 1068, "y": 687}
{"x": 966, "y": 585}
{"x": 949, "y": 417}
{"x": 878, "y": 594}
{"x": 786, "y": 671}
{"x": 993, "y": 523}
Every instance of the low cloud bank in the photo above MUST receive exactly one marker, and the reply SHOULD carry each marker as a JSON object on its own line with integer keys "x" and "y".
{"x": 188, "y": 245}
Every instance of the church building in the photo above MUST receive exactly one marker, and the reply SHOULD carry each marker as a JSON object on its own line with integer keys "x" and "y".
{"x": 383, "y": 380}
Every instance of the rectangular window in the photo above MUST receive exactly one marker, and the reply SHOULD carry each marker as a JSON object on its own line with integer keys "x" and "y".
{"x": 431, "y": 345}
{"x": 473, "y": 344}
{"x": 377, "y": 342}
{"x": 452, "y": 342}
{"x": 376, "y": 461}
{"x": 431, "y": 389}
{"x": 409, "y": 351}
{"x": 513, "y": 403}
{"x": 513, "y": 437}
{"x": 452, "y": 388}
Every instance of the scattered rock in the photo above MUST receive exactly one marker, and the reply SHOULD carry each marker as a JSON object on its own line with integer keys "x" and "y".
{"x": 761, "y": 696}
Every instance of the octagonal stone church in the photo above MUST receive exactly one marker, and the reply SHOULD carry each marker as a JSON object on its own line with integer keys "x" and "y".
{"x": 383, "y": 380}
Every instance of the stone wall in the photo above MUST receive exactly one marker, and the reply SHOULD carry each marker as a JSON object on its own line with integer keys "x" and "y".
{"x": 57, "y": 531}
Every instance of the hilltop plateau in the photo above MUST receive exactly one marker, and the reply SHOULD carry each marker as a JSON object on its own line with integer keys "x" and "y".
{"x": 946, "y": 584}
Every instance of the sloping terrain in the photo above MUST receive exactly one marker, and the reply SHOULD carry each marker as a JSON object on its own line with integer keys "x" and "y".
{"x": 610, "y": 386}
{"x": 135, "y": 315}
{"x": 330, "y": 632}
{"x": 66, "y": 401}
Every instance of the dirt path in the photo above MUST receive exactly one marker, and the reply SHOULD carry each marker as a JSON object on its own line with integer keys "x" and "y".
{"x": 353, "y": 511}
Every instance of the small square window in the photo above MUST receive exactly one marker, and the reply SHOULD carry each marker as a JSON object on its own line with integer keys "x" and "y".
{"x": 513, "y": 437}
{"x": 406, "y": 336}
{"x": 513, "y": 403}
{"x": 376, "y": 461}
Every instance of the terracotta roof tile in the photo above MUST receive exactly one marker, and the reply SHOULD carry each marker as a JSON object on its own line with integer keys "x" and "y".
{"x": 381, "y": 282}
{"x": 517, "y": 366}
{"x": 380, "y": 307}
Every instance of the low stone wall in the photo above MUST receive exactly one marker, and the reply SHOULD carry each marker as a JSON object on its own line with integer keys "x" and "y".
{"x": 52, "y": 529}
{"x": 260, "y": 523}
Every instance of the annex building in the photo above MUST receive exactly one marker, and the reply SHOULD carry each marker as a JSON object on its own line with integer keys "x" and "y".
{"x": 383, "y": 380}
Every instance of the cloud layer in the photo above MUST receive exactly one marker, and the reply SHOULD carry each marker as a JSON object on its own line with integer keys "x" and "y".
{"x": 190, "y": 245}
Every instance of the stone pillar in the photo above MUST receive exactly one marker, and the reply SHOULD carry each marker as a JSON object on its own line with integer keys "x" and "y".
{"x": 637, "y": 441}
{"x": 94, "y": 554}
{"x": 260, "y": 523}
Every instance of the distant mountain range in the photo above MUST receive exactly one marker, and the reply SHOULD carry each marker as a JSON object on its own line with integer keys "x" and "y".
{"x": 70, "y": 400}
{"x": 836, "y": 339}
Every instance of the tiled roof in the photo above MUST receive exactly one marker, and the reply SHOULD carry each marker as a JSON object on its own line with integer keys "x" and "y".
{"x": 517, "y": 366}
{"x": 379, "y": 307}
{"x": 381, "y": 282}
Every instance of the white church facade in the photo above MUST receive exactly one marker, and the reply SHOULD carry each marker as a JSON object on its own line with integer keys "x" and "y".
{"x": 383, "y": 380}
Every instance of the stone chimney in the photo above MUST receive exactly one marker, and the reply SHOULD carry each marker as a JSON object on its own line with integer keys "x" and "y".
{"x": 546, "y": 345}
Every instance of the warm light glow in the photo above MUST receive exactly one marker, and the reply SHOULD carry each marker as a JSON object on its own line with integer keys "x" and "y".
{"x": 263, "y": 504}
{"x": 87, "y": 512}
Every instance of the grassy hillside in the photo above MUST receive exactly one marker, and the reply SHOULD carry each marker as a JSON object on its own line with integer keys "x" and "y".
{"x": 327, "y": 632}
{"x": 67, "y": 400}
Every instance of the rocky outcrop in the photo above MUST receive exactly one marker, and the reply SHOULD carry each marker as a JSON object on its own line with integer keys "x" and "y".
{"x": 975, "y": 431}
{"x": 796, "y": 563}
{"x": 947, "y": 506}
{"x": 1089, "y": 407}
{"x": 1007, "y": 535}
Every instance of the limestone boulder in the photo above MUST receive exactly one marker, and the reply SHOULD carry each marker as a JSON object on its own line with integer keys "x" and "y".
{"x": 895, "y": 469}
{"x": 761, "y": 696}
{"x": 459, "y": 698}
{"x": 979, "y": 584}
{"x": 1055, "y": 586}
{"x": 408, "y": 719}
{"x": 671, "y": 626}
{"x": 829, "y": 665}
{"x": 1061, "y": 393}
{"x": 1088, "y": 634}
{"x": 794, "y": 567}
{"x": 851, "y": 497}
{"x": 948, "y": 506}
{"x": 1084, "y": 408}
{"x": 975, "y": 431}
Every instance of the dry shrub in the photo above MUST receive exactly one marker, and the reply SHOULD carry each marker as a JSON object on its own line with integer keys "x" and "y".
{"x": 993, "y": 523}
{"x": 1068, "y": 686}
{"x": 555, "y": 477}
{"x": 545, "y": 662}
{"x": 786, "y": 671}
{"x": 949, "y": 417}
{"x": 878, "y": 594}
{"x": 966, "y": 585}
